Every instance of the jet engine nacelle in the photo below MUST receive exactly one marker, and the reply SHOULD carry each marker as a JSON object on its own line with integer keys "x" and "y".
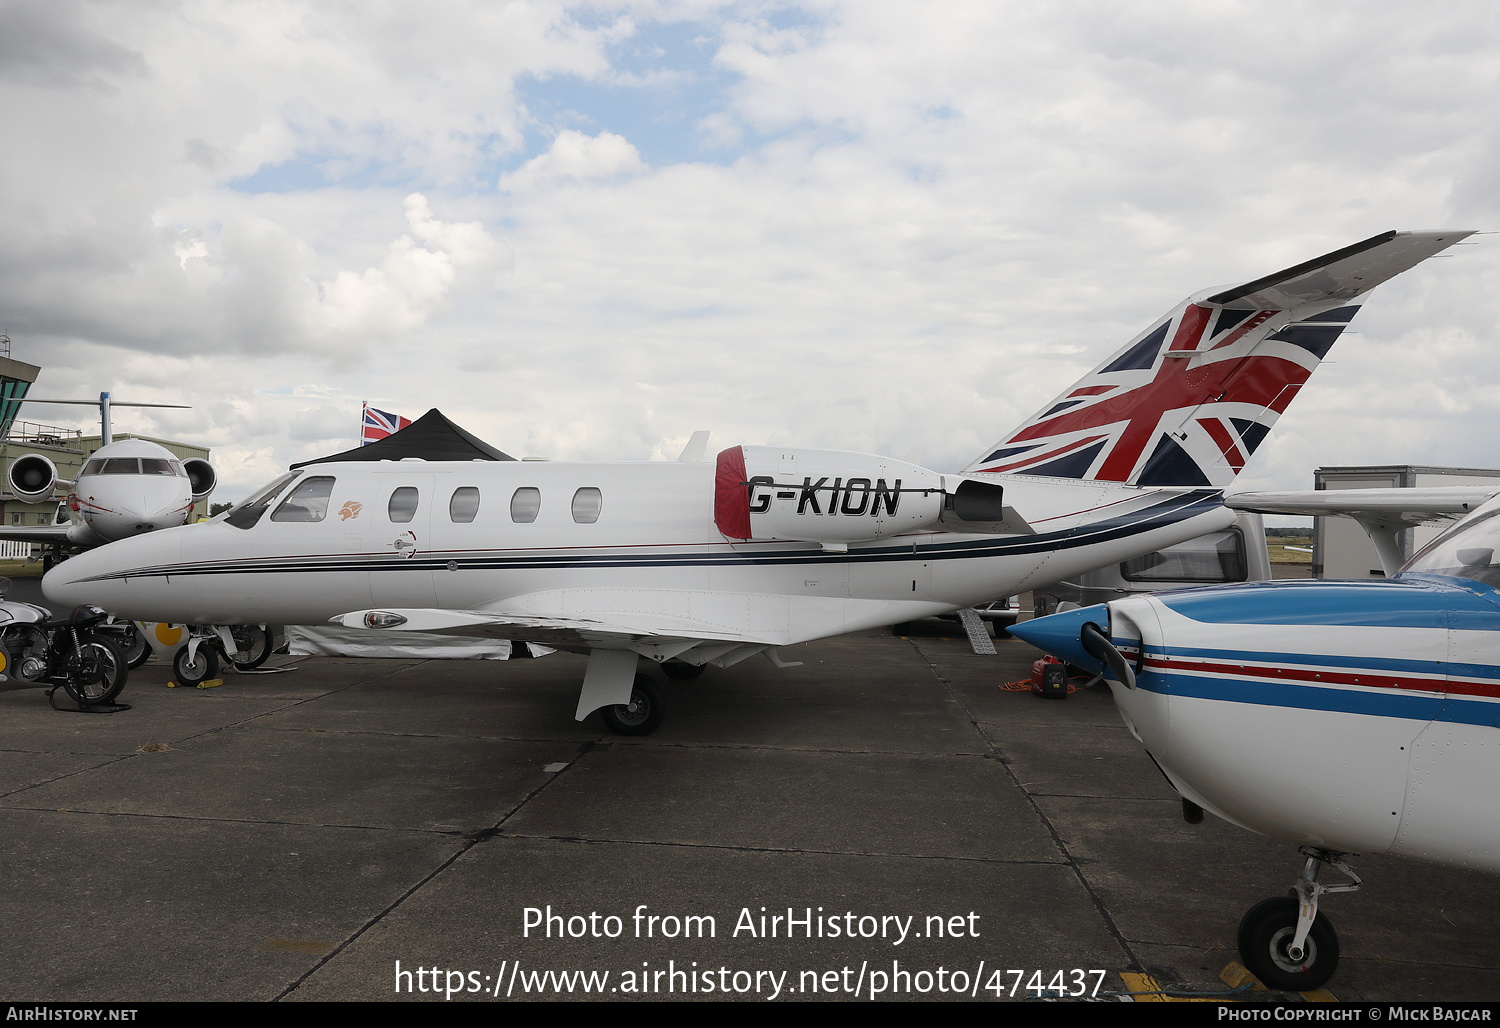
{"x": 827, "y": 496}
{"x": 201, "y": 476}
{"x": 32, "y": 477}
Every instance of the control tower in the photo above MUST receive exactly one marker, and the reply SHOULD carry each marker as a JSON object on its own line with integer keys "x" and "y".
{"x": 15, "y": 378}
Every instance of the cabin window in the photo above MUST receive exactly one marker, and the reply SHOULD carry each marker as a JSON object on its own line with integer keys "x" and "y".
{"x": 525, "y": 503}
{"x": 464, "y": 505}
{"x": 403, "y": 505}
{"x": 308, "y": 502}
{"x": 121, "y": 466}
{"x": 155, "y": 466}
{"x": 246, "y": 513}
{"x": 93, "y": 467}
{"x": 587, "y": 502}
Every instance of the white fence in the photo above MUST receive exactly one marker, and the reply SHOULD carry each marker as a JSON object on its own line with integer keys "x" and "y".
{"x": 12, "y": 550}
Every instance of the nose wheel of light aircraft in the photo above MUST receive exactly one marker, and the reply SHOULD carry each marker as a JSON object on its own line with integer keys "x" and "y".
{"x": 1284, "y": 941}
{"x": 642, "y": 715}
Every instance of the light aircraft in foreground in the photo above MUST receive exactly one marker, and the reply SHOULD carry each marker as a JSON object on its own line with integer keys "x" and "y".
{"x": 124, "y": 488}
{"x": 1344, "y": 717}
{"x": 693, "y": 563}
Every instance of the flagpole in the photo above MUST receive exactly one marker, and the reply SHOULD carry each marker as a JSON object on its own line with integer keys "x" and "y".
{"x": 364, "y": 407}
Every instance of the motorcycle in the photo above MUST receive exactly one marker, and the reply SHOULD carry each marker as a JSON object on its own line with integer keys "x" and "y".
{"x": 66, "y": 652}
{"x": 245, "y": 647}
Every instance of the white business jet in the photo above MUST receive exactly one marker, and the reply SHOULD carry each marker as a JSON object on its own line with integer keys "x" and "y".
{"x": 692, "y": 563}
{"x": 125, "y": 488}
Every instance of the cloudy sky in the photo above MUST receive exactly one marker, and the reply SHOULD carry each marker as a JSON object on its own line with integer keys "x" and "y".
{"x": 586, "y": 230}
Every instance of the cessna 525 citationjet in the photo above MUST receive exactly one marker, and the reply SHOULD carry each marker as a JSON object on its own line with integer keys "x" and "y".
{"x": 691, "y": 563}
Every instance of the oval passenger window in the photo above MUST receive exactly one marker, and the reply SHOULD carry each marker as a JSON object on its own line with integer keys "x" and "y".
{"x": 403, "y": 505}
{"x": 464, "y": 505}
{"x": 524, "y": 504}
{"x": 587, "y": 502}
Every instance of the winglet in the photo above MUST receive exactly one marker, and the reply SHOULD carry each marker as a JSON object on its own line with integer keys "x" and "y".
{"x": 693, "y": 452}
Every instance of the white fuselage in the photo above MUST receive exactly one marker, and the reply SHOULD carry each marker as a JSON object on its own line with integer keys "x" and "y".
{"x": 1352, "y": 717}
{"x": 653, "y": 552}
{"x": 127, "y": 488}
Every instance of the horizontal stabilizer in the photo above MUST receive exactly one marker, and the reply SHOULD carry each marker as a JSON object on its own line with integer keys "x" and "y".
{"x": 1342, "y": 274}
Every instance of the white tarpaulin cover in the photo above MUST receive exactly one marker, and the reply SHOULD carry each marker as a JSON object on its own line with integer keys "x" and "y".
{"x": 317, "y": 641}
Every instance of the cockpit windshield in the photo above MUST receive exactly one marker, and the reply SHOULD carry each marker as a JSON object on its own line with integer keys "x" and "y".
{"x": 1467, "y": 550}
{"x": 247, "y": 512}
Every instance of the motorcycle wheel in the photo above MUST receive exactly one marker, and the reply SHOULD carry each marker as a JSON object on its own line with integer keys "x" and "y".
{"x": 100, "y": 675}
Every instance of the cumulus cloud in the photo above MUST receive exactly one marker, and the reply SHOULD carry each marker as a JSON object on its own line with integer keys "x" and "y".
{"x": 575, "y": 157}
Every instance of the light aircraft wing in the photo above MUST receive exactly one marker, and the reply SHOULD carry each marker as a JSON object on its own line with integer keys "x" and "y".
{"x": 1382, "y": 513}
{"x": 1403, "y": 507}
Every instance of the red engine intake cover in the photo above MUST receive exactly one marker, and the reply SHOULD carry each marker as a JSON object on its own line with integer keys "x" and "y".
{"x": 732, "y": 495}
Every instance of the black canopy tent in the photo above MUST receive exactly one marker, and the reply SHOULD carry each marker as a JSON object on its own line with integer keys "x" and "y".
{"x": 430, "y": 437}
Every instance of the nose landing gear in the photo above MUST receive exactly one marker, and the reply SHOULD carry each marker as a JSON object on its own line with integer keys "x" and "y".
{"x": 1284, "y": 941}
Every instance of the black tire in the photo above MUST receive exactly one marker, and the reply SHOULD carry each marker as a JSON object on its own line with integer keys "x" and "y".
{"x": 643, "y": 715}
{"x": 133, "y": 646}
{"x": 196, "y": 672}
{"x": 680, "y": 671}
{"x": 254, "y": 646}
{"x": 101, "y": 672}
{"x": 1266, "y": 932}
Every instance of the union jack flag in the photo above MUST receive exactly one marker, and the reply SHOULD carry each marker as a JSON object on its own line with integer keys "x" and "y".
{"x": 378, "y": 424}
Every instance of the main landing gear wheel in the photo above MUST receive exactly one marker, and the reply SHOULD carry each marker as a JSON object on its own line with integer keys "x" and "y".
{"x": 197, "y": 670}
{"x": 681, "y": 671}
{"x": 253, "y": 644}
{"x": 1266, "y": 935}
{"x": 642, "y": 715}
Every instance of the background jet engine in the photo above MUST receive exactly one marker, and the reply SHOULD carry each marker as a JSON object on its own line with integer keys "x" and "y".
{"x": 32, "y": 477}
{"x": 201, "y": 475}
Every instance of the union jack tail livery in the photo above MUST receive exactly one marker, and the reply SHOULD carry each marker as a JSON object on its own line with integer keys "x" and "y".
{"x": 1187, "y": 401}
{"x": 378, "y": 424}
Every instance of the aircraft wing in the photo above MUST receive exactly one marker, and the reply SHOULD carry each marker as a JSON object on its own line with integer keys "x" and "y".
{"x": 1342, "y": 274}
{"x": 650, "y": 635}
{"x": 1382, "y": 513}
{"x": 35, "y": 534}
{"x": 1397, "y": 507}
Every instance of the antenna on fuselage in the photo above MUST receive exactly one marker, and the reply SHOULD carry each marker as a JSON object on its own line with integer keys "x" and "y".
{"x": 106, "y": 436}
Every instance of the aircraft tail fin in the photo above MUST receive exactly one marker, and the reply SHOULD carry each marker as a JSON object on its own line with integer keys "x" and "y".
{"x": 1186, "y": 402}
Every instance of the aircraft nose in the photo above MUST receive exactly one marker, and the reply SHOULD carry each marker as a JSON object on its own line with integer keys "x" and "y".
{"x": 1061, "y": 634}
{"x": 62, "y": 585}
